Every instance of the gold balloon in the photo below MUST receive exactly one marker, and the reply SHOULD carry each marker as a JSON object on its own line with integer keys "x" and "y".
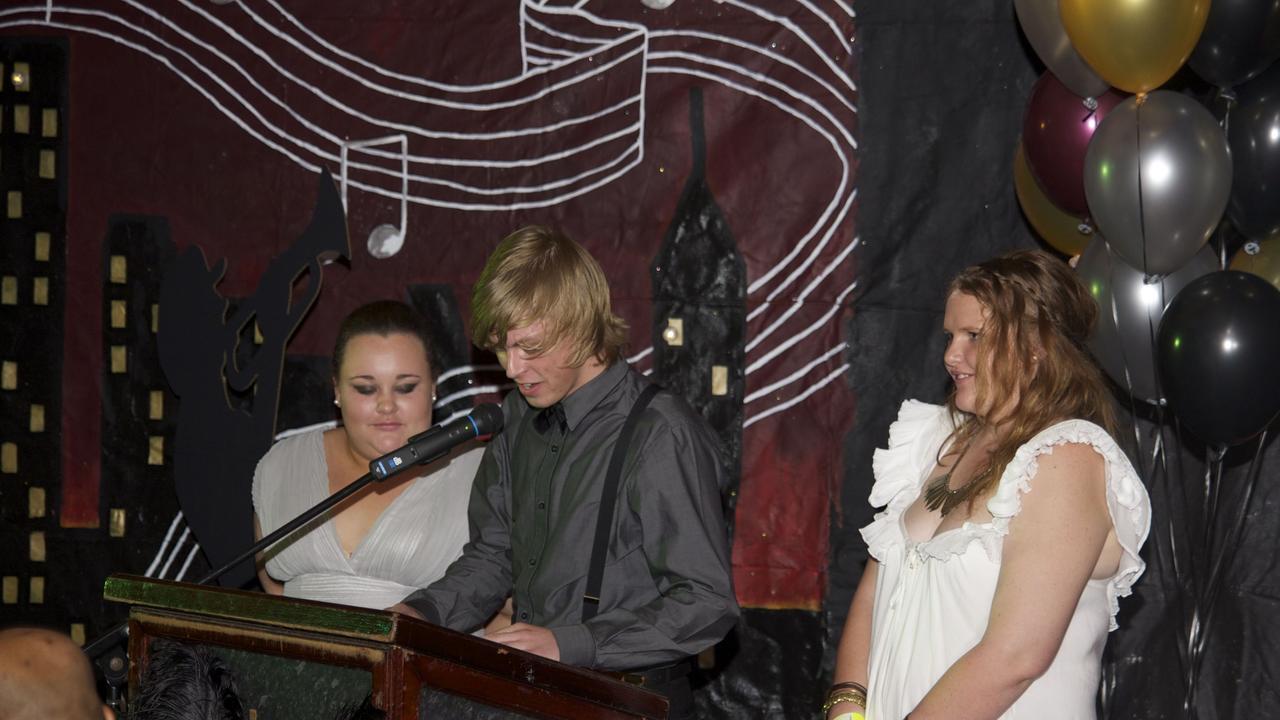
{"x": 1058, "y": 228}
{"x": 1265, "y": 263}
{"x": 1136, "y": 45}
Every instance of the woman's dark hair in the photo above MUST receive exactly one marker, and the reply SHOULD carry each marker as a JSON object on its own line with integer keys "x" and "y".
{"x": 185, "y": 683}
{"x": 383, "y": 318}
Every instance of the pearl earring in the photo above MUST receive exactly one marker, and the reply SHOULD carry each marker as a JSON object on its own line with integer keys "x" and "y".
{"x": 337, "y": 403}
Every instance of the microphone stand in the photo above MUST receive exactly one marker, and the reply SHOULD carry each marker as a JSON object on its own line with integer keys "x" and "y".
{"x": 423, "y": 448}
{"x": 113, "y": 636}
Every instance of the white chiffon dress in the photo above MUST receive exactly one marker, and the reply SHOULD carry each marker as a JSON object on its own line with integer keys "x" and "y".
{"x": 932, "y": 598}
{"x": 408, "y": 547}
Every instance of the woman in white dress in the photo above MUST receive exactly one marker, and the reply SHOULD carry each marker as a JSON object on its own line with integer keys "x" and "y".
{"x": 391, "y": 538}
{"x": 1012, "y": 520}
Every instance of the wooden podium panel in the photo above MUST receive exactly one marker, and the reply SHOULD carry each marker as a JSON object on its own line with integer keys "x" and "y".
{"x": 305, "y": 660}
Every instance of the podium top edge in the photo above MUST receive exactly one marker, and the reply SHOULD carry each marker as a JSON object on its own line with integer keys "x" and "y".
{"x": 250, "y": 607}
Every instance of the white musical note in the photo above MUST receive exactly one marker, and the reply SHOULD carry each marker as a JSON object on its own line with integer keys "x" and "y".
{"x": 386, "y": 239}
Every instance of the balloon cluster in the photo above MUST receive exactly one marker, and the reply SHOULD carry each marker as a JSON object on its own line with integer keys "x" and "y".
{"x": 1138, "y": 184}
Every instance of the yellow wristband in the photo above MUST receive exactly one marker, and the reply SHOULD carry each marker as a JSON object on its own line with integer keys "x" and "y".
{"x": 850, "y": 716}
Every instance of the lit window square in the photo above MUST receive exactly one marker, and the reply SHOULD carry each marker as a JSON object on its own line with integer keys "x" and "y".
{"x": 43, "y": 241}
{"x": 155, "y": 318}
{"x": 8, "y": 375}
{"x": 8, "y": 290}
{"x": 35, "y": 546}
{"x": 49, "y": 123}
{"x": 21, "y": 77}
{"x": 119, "y": 314}
{"x": 13, "y": 208}
{"x": 119, "y": 359}
{"x": 22, "y": 119}
{"x": 9, "y": 458}
{"x": 116, "y": 527}
{"x": 36, "y": 420}
{"x": 156, "y": 411}
{"x": 37, "y": 590}
{"x": 48, "y": 164}
{"x": 40, "y": 291}
{"x": 77, "y": 633}
{"x": 9, "y": 589}
{"x": 119, "y": 272}
{"x": 36, "y": 502}
{"x": 719, "y": 380}
{"x": 155, "y": 450}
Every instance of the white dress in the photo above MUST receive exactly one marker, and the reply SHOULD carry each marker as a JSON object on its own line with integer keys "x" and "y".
{"x": 932, "y": 598}
{"x": 408, "y": 547}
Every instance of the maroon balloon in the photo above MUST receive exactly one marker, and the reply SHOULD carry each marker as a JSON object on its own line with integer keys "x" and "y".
{"x": 1055, "y": 133}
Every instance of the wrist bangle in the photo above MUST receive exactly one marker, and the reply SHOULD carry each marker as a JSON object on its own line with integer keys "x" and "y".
{"x": 850, "y": 685}
{"x": 850, "y": 716}
{"x": 839, "y": 696}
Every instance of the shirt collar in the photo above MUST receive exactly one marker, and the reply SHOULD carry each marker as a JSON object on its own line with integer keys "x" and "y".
{"x": 585, "y": 399}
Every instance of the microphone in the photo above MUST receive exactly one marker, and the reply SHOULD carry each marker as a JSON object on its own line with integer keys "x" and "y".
{"x": 438, "y": 441}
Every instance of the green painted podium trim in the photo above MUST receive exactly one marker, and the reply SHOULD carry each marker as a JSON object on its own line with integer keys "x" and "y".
{"x": 249, "y": 607}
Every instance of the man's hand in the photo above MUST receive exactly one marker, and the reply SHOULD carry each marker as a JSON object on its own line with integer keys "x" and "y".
{"x": 406, "y": 610}
{"x": 530, "y": 638}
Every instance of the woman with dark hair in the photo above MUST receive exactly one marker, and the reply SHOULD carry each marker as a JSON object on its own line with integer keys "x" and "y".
{"x": 391, "y": 538}
{"x": 1012, "y": 520}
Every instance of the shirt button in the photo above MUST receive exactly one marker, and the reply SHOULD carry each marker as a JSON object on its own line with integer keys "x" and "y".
{"x": 524, "y": 615}
{"x": 555, "y": 448}
{"x": 542, "y": 506}
{"x": 533, "y": 561}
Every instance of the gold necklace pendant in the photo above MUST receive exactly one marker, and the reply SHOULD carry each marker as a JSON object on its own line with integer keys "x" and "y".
{"x": 938, "y": 494}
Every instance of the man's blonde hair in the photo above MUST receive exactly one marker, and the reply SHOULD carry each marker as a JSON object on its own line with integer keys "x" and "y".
{"x": 539, "y": 274}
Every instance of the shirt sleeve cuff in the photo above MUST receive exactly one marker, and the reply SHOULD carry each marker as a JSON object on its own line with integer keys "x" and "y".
{"x": 576, "y": 645}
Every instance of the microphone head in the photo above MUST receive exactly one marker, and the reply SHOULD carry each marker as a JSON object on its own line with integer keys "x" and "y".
{"x": 488, "y": 418}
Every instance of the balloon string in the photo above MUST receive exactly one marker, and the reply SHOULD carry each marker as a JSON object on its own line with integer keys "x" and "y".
{"x": 1142, "y": 214}
{"x": 1188, "y": 585}
{"x": 1199, "y": 609}
{"x": 1169, "y": 561}
{"x": 1209, "y": 517}
{"x": 1229, "y": 101}
{"x": 1203, "y": 614}
{"x": 1231, "y": 541}
{"x": 1124, "y": 357}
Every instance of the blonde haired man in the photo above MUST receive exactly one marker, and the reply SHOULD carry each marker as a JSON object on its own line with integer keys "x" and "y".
{"x": 665, "y": 591}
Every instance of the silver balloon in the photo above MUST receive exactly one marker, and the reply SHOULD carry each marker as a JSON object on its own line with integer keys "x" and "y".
{"x": 1157, "y": 176}
{"x": 1129, "y": 310}
{"x": 1042, "y": 23}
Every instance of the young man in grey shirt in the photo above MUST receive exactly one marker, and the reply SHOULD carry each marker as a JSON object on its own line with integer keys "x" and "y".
{"x": 542, "y": 305}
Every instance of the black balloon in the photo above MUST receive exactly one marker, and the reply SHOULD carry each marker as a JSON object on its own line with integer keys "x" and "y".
{"x": 1253, "y": 134}
{"x": 1219, "y": 356}
{"x": 1240, "y": 39}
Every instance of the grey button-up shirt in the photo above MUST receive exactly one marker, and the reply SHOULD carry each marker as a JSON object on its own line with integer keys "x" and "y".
{"x": 667, "y": 590}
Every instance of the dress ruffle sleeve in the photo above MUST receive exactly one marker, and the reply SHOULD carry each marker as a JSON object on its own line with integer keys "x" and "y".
{"x": 914, "y": 439}
{"x": 1127, "y": 499}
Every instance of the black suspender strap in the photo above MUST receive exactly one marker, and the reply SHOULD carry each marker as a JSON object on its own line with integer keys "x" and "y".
{"x": 609, "y": 499}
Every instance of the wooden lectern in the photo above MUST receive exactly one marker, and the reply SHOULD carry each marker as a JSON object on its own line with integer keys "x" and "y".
{"x": 305, "y": 660}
